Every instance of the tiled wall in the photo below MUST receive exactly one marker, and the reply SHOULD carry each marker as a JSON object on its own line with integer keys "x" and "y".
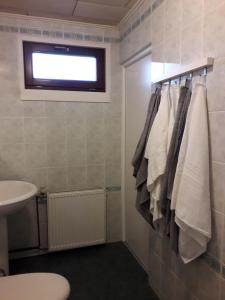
{"x": 60, "y": 145}
{"x": 181, "y": 31}
{"x": 134, "y": 31}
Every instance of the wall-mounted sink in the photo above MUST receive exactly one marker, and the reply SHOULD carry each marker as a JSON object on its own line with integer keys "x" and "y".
{"x": 13, "y": 196}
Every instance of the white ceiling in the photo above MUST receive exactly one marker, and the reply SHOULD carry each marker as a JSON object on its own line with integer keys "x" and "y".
{"x": 97, "y": 11}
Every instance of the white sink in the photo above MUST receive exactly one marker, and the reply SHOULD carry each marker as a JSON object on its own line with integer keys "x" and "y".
{"x": 14, "y": 195}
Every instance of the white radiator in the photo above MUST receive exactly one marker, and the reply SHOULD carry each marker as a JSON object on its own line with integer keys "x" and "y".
{"x": 76, "y": 219}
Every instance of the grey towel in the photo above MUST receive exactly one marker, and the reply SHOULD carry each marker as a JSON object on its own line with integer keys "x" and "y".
{"x": 167, "y": 184}
{"x": 140, "y": 164}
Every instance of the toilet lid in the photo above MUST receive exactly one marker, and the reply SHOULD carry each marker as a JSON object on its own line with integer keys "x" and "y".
{"x": 34, "y": 286}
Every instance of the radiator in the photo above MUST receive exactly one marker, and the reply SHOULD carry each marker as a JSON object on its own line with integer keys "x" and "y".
{"x": 76, "y": 219}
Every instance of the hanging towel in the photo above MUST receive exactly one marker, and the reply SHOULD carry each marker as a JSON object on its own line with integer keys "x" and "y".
{"x": 158, "y": 145}
{"x": 140, "y": 164}
{"x": 191, "y": 192}
{"x": 171, "y": 228}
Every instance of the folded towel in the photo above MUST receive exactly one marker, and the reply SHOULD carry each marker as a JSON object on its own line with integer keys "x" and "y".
{"x": 140, "y": 164}
{"x": 171, "y": 228}
{"x": 158, "y": 145}
{"x": 191, "y": 192}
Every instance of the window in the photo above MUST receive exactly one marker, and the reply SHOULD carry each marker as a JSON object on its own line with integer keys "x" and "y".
{"x": 62, "y": 67}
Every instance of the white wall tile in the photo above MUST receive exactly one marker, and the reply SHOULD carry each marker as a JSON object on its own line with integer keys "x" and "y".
{"x": 214, "y": 31}
{"x": 217, "y": 123}
{"x": 11, "y": 130}
{"x": 191, "y": 43}
{"x": 191, "y": 10}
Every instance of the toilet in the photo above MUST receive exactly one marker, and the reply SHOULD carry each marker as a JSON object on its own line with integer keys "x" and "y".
{"x": 34, "y": 286}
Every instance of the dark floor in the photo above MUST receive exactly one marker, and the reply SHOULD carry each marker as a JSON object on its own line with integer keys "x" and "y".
{"x": 107, "y": 272}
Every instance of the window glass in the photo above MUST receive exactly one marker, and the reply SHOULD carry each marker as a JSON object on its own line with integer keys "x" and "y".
{"x": 64, "y": 67}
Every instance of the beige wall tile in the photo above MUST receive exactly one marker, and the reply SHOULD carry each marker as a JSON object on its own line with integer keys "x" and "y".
{"x": 188, "y": 273}
{"x": 112, "y": 150}
{"x": 218, "y": 187}
{"x": 214, "y": 31}
{"x": 77, "y": 178}
{"x": 158, "y": 25}
{"x": 35, "y": 130}
{"x": 113, "y": 174}
{"x": 35, "y": 155}
{"x": 11, "y": 130}
{"x": 76, "y": 127}
{"x": 182, "y": 292}
{"x": 156, "y": 242}
{"x": 12, "y": 161}
{"x": 95, "y": 127}
{"x": 76, "y": 152}
{"x": 217, "y": 122}
{"x": 222, "y": 289}
{"x": 56, "y": 130}
{"x": 223, "y": 249}
{"x": 55, "y": 109}
{"x": 95, "y": 176}
{"x": 208, "y": 283}
{"x": 172, "y": 53}
{"x": 76, "y": 110}
{"x": 216, "y": 88}
{"x": 155, "y": 272}
{"x": 10, "y": 107}
{"x": 36, "y": 176}
{"x": 173, "y": 15}
{"x": 34, "y": 109}
{"x": 95, "y": 150}
{"x": 212, "y": 5}
{"x": 158, "y": 53}
{"x": 215, "y": 245}
{"x": 57, "y": 179}
{"x": 56, "y": 154}
{"x": 168, "y": 284}
{"x": 191, "y": 10}
{"x": 145, "y": 33}
{"x": 191, "y": 43}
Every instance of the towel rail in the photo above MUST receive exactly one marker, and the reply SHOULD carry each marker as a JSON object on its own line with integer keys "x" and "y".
{"x": 186, "y": 69}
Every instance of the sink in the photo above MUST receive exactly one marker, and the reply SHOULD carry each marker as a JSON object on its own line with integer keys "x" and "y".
{"x": 13, "y": 196}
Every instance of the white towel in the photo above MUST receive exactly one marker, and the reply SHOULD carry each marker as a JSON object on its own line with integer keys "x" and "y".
{"x": 191, "y": 191}
{"x": 158, "y": 145}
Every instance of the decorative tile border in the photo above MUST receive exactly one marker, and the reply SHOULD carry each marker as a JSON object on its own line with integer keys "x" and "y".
{"x": 79, "y": 36}
{"x": 12, "y": 29}
{"x": 58, "y": 34}
{"x": 141, "y": 19}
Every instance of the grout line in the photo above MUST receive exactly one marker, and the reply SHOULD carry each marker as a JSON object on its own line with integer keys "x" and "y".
{"x": 218, "y": 162}
{"x": 216, "y": 111}
{"x": 74, "y": 8}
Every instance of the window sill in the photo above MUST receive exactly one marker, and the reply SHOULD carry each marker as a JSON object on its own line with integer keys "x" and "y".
{"x": 55, "y": 95}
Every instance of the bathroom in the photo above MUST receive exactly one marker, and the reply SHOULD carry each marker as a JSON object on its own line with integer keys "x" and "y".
{"x": 81, "y": 143}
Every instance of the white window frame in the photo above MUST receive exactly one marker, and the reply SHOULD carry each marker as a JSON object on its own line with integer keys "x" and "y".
{"x": 58, "y": 95}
